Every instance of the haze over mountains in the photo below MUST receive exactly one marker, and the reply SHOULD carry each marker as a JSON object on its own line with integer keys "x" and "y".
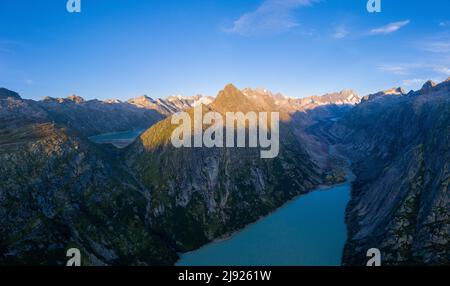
{"x": 143, "y": 204}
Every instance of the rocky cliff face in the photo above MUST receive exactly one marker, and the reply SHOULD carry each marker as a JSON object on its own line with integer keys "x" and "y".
{"x": 199, "y": 194}
{"x": 380, "y": 95}
{"x": 59, "y": 191}
{"x": 5, "y": 94}
{"x": 400, "y": 148}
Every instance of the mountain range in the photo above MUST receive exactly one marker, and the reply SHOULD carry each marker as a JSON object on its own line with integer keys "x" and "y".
{"x": 143, "y": 204}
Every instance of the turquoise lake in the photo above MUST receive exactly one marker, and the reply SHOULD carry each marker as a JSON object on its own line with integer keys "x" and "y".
{"x": 126, "y": 135}
{"x": 308, "y": 231}
{"x": 118, "y": 139}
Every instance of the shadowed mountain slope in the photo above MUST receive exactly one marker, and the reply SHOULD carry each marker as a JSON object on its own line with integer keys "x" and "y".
{"x": 400, "y": 148}
{"x": 57, "y": 191}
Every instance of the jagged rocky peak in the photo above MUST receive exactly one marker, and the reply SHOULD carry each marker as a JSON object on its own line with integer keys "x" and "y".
{"x": 142, "y": 101}
{"x": 351, "y": 96}
{"x": 427, "y": 87}
{"x": 6, "y": 93}
{"x": 183, "y": 102}
{"x": 230, "y": 94}
{"x": 75, "y": 98}
{"x": 265, "y": 99}
{"x": 112, "y": 101}
{"x": 396, "y": 91}
{"x": 233, "y": 99}
{"x": 347, "y": 93}
{"x": 49, "y": 99}
{"x": 346, "y": 96}
{"x": 257, "y": 93}
{"x": 392, "y": 91}
{"x": 180, "y": 97}
{"x": 438, "y": 90}
{"x": 205, "y": 100}
{"x": 230, "y": 90}
{"x": 169, "y": 105}
{"x": 145, "y": 97}
{"x": 429, "y": 84}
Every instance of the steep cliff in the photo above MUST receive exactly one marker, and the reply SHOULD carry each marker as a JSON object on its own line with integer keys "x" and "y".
{"x": 59, "y": 191}
{"x": 199, "y": 194}
{"x": 400, "y": 148}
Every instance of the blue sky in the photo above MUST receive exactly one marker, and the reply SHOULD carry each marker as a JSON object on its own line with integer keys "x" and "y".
{"x": 125, "y": 48}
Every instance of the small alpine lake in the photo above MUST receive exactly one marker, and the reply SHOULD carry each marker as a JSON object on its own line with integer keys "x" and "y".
{"x": 118, "y": 139}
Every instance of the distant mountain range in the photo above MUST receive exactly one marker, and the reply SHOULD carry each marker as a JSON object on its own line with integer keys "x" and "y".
{"x": 144, "y": 204}
{"x": 94, "y": 117}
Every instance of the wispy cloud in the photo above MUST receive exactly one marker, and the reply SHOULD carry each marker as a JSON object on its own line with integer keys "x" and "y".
{"x": 408, "y": 68}
{"x": 396, "y": 69}
{"x": 443, "y": 70}
{"x": 389, "y": 28}
{"x": 436, "y": 68}
{"x": 413, "y": 82}
{"x": 444, "y": 24}
{"x": 272, "y": 16}
{"x": 340, "y": 32}
{"x": 437, "y": 46}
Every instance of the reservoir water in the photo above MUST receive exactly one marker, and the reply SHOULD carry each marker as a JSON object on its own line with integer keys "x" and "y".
{"x": 308, "y": 231}
{"x": 118, "y": 139}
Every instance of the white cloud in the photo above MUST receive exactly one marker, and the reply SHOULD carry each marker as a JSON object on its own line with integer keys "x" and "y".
{"x": 406, "y": 68}
{"x": 272, "y": 16}
{"x": 395, "y": 69}
{"x": 390, "y": 28}
{"x": 413, "y": 82}
{"x": 443, "y": 70}
{"x": 440, "y": 46}
{"x": 340, "y": 32}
